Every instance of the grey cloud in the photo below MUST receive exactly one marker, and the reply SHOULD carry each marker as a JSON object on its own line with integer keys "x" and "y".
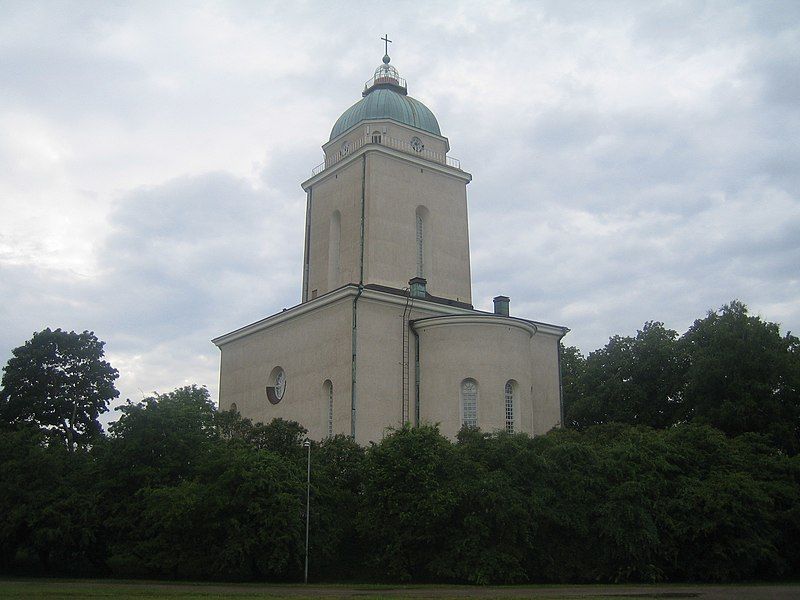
{"x": 589, "y": 214}
{"x": 781, "y": 79}
{"x": 67, "y": 85}
{"x": 187, "y": 240}
{"x": 182, "y": 262}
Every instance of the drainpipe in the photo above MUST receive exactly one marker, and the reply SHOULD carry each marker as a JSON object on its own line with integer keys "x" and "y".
{"x": 354, "y": 339}
{"x": 416, "y": 372}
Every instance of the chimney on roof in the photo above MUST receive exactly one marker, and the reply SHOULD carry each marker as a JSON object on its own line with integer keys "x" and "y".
{"x": 418, "y": 287}
{"x": 501, "y": 304}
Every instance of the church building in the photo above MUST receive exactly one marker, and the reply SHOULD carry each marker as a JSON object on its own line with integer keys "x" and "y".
{"x": 386, "y": 333}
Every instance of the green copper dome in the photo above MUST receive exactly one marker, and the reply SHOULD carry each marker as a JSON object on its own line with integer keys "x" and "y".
{"x": 385, "y": 98}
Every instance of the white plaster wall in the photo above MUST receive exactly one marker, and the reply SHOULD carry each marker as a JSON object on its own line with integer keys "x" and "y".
{"x": 316, "y": 345}
{"x": 380, "y": 365}
{"x": 311, "y": 348}
{"x": 491, "y": 354}
{"x": 546, "y": 383}
{"x": 395, "y": 188}
{"x": 341, "y": 191}
{"x": 379, "y": 369}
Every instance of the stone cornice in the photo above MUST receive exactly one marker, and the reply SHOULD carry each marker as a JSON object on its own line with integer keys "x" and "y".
{"x": 371, "y": 122}
{"x": 388, "y": 298}
{"x": 408, "y": 158}
{"x": 455, "y": 313}
{"x": 286, "y": 314}
{"x": 475, "y": 319}
{"x": 333, "y": 297}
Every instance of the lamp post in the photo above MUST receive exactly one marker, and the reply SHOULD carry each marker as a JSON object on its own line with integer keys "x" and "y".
{"x": 307, "y": 444}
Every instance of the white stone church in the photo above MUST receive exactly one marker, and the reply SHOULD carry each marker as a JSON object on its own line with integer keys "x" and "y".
{"x": 386, "y": 333}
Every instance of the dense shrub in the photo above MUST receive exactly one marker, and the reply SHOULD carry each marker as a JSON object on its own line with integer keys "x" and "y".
{"x": 679, "y": 462}
{"x": 179, "y": 490}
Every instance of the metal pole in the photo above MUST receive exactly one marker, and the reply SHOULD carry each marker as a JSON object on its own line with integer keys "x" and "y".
{"x": 307, "y": 444}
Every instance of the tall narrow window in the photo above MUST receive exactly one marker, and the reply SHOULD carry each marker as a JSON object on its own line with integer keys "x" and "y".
{"x": 328, "y": 392}
{"x": 334, "y": 237}
{"x": 422, "y": 244}
{"x": 469, "y": 403}
{"x": 509, "y": 399}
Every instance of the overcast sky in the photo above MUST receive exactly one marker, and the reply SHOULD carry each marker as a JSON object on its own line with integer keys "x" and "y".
{"x": 632, "y": 161}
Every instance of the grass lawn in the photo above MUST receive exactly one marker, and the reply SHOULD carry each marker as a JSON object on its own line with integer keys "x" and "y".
{"x": 29, "y": 589}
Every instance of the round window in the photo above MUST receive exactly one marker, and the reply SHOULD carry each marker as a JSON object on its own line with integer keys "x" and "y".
{"x": 276, "y": 385}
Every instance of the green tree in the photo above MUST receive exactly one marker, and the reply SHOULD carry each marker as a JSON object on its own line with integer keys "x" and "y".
{"x": 635, "y": 380}
{"x": 58, "y": 382}
{"x": 573, "y": 368}
{"x": 743, "y": 376}
{"x": 337, "y": 478}
{"x": 495, "y": 525}
{"x": 409, "y": 501}
{"x": 239, "y": 517}
{"x": 723, "y": 515}
{"x": 161, "y": 441}
{"x": 50, "y": 522}
{"x": 280, "y": 436}
{"x": 196, "y": 493}
{"x": 569, "y": 487}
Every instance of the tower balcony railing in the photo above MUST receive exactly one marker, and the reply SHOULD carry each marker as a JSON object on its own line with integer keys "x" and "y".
{"x": 382, "y": 139}
{"x": 385, "y": 79}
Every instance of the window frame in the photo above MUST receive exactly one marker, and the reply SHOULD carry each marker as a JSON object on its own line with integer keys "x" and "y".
{"x": 471, "y": 421}
{"x": 510, "y": 405}
{"x": 328, "y": 392}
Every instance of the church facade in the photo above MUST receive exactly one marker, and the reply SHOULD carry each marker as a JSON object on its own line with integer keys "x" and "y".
{"x": 386, "y": 333}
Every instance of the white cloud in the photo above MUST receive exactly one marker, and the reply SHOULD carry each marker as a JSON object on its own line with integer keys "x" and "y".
{"x": 632, "y": 163}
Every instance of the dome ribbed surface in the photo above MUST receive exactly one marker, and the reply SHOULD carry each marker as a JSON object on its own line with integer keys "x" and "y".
{"x": 387, "y": 104}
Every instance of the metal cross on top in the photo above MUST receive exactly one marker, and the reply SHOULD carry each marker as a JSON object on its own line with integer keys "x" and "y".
{"x": 386, "y": 39}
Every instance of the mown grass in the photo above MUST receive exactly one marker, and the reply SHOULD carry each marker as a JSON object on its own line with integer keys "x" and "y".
{"x": 52, "y": 589}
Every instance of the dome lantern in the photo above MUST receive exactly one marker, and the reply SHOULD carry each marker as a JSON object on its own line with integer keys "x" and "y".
{"x": 385, "y": 96}
{"x": 386, "y": 76}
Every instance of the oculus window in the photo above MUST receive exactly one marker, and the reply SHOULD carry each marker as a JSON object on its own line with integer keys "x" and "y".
{"x": 276, "y": 385}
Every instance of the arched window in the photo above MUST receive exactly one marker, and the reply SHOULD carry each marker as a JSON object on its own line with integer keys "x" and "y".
{"x": 376, "y": 138}
{"x": 328, "y": 393}
{"x": 334, "y": 237}
{"x": 469, "y": 403}
{"x": 234, "y": 407}
{"x": 422, "y": 244}
{"x": 509, "y": 401}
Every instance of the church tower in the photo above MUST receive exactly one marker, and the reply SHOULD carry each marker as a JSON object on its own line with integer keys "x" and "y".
{"x": 387, "y": 204}
{"x": 386, "y": 333}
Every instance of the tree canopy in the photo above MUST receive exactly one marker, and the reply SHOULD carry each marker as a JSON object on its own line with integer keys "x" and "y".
{"x": 632, "y": 380}
{"x": 743, "y": 375}
{"x": 730, "y": 370}
{"x": 679, "y": 463}
{"x": 58, "y": 382}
